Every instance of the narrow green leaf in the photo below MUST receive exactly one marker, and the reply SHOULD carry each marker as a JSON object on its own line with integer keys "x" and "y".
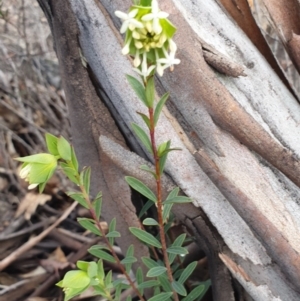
{"x": 159, "y": 107}
{"x": 148, "y": 284}
{"x": 179, "y": 288}
{"x": 129, "y": 259}
{"x": 173, "y": 193}
{"x": 145, "y": 118}
{"x": 100, "y": 272}
{"x": 177, "y": 243}
{"x": 164, "y": 282}
{"x": 150, "y": 92}
{"x": 87, "y": 179}
{"x": 108, "y": 279}
{"x": 69, "y": 172}
{"x": 177, "y": 250}
{"x": 178, "y": 200}
{"x": 113, "y": 234}
{"x": 64, "y": 148}
{"x": 78, "y": 197}
{"x": 74, "y": 159}
{"x": 97, "y": 204}
{"x": 141, "y": 188}
{"x": 138, "y": 88}
{"x": 149, "y": 263}
{"x": 140, "y": 279}
{"x": 161, "y": 297}
{"x": 187, "y": 272}
{"x": 130, "y": 250}
{"x": 150, "y": 222}
{"x": 156, "y": 271}
{"x": 112, "y": 225}
{"x": 163, "y": 159}
{"x": 197, "y": 292}
{"x": 163, "y": 147}
{"x": 145, "y": 237}
{"x": 89, "y": 225}
{"x": 142, "y": 136}
{"x": 101, "y": 254}
{"x": 51, "y": 142}
{"x": 148, "y": 169}
{"x": 145, "y": 208}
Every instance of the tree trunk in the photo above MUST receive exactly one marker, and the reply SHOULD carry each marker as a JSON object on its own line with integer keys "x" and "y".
{"x": 231, "y": 111}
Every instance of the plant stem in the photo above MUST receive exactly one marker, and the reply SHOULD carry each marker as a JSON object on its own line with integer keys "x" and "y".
{"x": 111, "y": 249}
{"x": 159, "y": 200}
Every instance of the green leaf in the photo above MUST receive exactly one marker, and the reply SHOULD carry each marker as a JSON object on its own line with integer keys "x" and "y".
{"x": 82, "y": 265}
{"x": 51, "y": 142}
{"x": 150, "y": 222}
{"x": 164, "y": 282}
{"x": 129, "y": 259}
{"x": 76, "y": 279}
{"x": 141, "y": 188}
{"x": 92, "y": 269}
{"x": 97, "y": 204}
{"x": 177, "y": 243}
{"x": 89, "y": 225}
{"x": 178, "y": 200}
{"x": 78, "y": 197}
{"x": 130, "y": 251}
{"x": 101, "y": 254}
{"x": 173, "y": 193}
{"x": 145, "y": 2}
{"x": 145, "y": 237}
{"x": 179, "y": 288}
{"x": 159, "y": 107}
{"x": 42, "y": 158}
{"x": 85, "y": 177}
{"x": 100, "y": 271}
{"x": 148, "y": 169}
{"x": 149, "y": 263}
{"x": 142, "y": 136}
{"x": 177, "y": 250}
{"x": 163, "y": 159}
{"x": 145, "y": 118}
{"x": 108, "y": 279}
{"x": 113, "y": 234}
{"x": 64, "y": 148}
{"x": 150, "y": 92}
{"x": 168, "y": 28}
{"x": 163, "y": 147}
{"x": 145, "y": 208}
{"x": 156, "y": 271}
{"x": 148, "y": 284}
{"x": 138, "y": 88}
{"x": 74, "y": 159}
{"x": 187, "y": 272}
{"x": 198, "y": 292}
{"x": 166, "y": 212}
{"x": 69, "y": 172}
{"x": 161, "y": 297}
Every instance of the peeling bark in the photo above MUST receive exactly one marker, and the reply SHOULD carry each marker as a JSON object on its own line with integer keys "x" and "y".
{"x": 239, "y": 135}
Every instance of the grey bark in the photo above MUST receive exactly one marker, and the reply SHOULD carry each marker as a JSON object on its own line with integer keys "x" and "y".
{"x": 238, "y": 134}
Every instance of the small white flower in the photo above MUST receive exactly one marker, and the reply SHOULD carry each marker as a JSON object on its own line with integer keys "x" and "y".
{"x": 169, "y": 60}
{"x": 129, "y": 20}
{"x": 126, "y": 48}
{"x": 155, "y": 16}
{"x": 145, "y": 72}
{"x": 32, "y": 186}
{"x": 137, "y": 60}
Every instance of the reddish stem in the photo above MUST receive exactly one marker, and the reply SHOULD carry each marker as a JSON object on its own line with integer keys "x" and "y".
{"x": 159, "y": 200}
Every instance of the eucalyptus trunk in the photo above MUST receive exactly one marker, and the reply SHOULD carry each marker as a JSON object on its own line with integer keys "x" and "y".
{"x": 232, "y": 112}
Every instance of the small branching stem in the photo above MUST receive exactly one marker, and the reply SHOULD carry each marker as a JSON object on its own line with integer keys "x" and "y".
{"x": 159, "y": 200}
{"x": 111, "y": 249}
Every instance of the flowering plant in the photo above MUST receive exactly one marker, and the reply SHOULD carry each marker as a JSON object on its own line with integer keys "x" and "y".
{"x": 149, "y": 38}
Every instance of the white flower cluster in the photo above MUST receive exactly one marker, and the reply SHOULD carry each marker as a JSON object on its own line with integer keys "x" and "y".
{"x": 149, "y": 39}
